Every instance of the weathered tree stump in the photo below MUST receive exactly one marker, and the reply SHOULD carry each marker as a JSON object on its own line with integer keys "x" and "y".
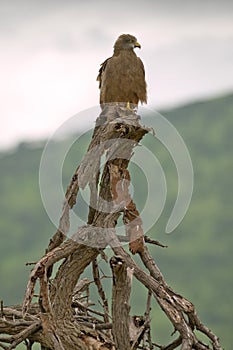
{"x": 63, "y": 318}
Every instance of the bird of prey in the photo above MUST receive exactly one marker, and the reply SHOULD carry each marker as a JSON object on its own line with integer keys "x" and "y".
{"x": 122, "y": 76}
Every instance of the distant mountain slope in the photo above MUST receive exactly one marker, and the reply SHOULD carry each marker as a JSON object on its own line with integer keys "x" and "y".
{"x": 199, "y": 260}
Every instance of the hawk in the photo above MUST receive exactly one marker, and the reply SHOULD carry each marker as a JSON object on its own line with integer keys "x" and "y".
{"x": 122, "y": 76}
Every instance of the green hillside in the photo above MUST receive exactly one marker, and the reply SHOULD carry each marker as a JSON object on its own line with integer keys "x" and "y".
{"x": 198, "y": 262}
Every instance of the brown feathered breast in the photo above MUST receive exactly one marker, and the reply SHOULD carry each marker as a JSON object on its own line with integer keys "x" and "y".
{"x": 122, "y": 76}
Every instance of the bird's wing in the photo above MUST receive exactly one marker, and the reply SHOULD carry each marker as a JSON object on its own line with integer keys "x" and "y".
{"x": 101, "y": 70}
{"x": 141, "y": 65}
{"x": 141, "y": 82}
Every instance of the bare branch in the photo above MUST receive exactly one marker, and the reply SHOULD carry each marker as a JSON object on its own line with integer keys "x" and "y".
{"x": 4, "y": 347}
{"x": 41, "y": 267}
{"x": 97, "y": 326}
{"x": 25, "y": 334}
{"x": 122, "y": 280}
{"x": 96, "y": 276}
{"x": 174, "y": 305}
{"x": 153, "y": 241}
{"x": 1, "y": 308}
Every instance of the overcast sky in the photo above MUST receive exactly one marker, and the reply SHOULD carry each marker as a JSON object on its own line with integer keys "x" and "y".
{"x": 51, "y": 51}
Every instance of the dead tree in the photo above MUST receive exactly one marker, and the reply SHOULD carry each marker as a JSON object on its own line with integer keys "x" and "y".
{"x": 63, "y": 317}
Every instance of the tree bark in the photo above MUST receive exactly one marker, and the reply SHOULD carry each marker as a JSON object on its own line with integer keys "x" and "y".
{"x": 121, "y": 287}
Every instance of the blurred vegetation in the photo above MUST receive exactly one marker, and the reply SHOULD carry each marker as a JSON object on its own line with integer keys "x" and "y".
{"x": 198, "y": 262}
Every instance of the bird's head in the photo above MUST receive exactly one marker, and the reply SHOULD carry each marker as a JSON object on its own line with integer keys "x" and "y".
{"x": 126, "y": 42}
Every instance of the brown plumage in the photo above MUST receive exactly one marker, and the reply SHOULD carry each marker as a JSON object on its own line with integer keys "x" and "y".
{"x": 122, "y": 76}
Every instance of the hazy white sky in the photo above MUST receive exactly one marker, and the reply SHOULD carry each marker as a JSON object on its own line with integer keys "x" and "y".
{"x": 51, "y": 51}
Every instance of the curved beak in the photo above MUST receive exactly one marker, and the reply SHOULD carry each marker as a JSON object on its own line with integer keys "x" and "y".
{"x": 137, "y": 45}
